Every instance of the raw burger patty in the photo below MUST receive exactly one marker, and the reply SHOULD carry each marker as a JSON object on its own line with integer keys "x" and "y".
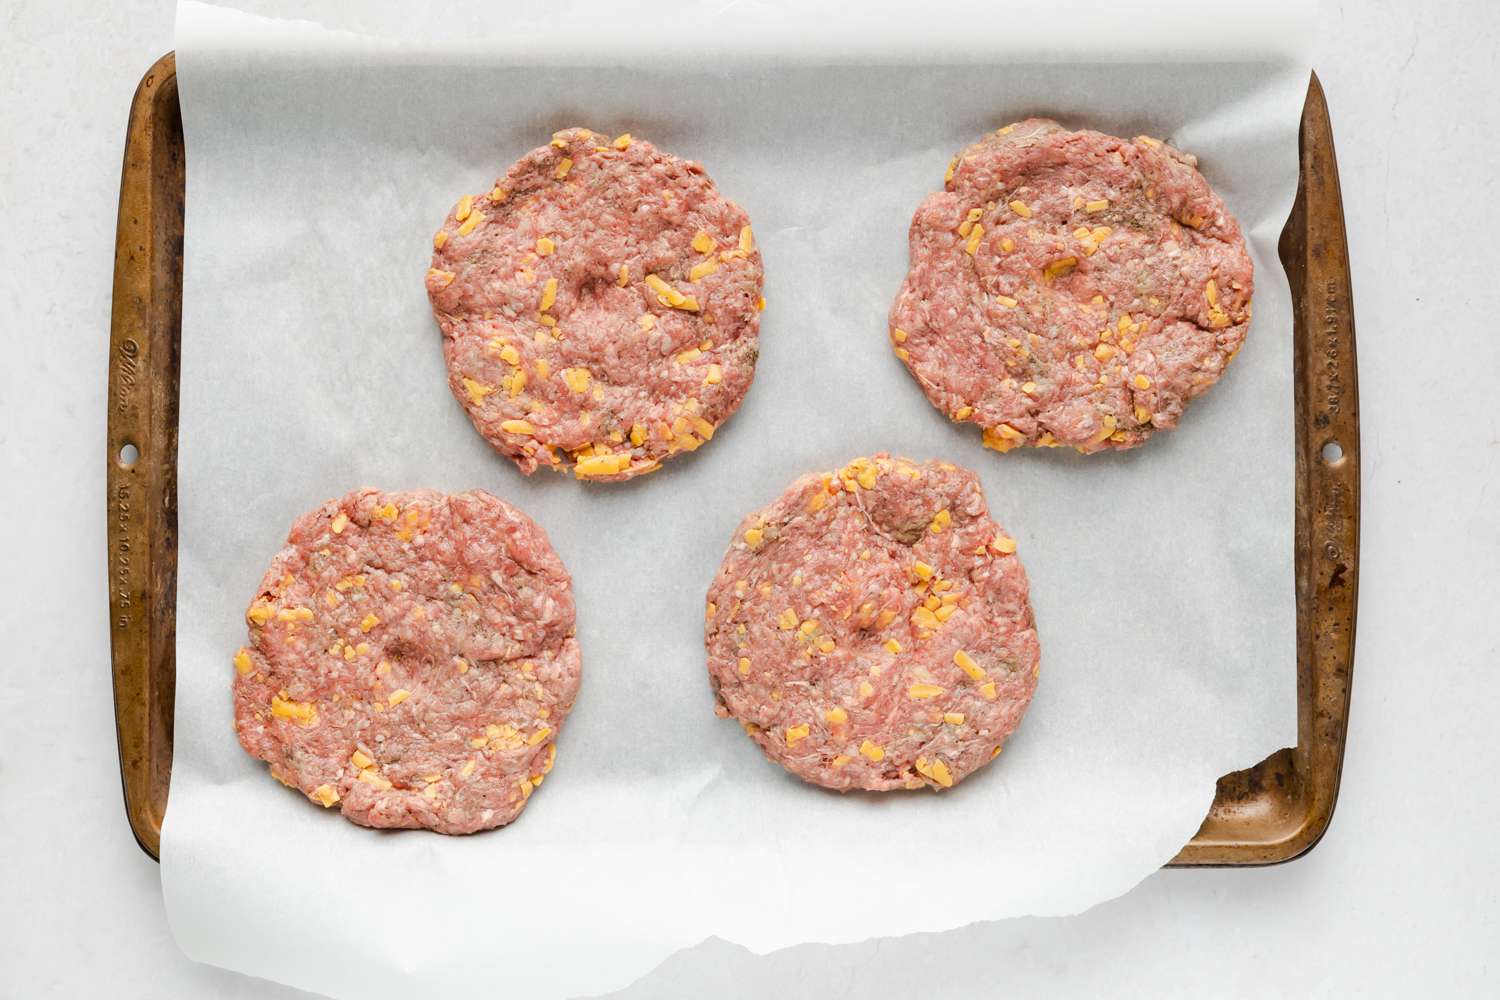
{"x": 600, "y": 306}
{"x": 872, "y": 629}
{"x": 1071, "y": 288}
{"x": 411, "y": 660}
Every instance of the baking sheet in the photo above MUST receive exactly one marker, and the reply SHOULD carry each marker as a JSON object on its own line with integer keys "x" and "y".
{"x": 323, "y": 156}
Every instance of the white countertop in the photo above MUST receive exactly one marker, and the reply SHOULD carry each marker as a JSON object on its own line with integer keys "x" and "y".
{"x": 1400, "y": 896}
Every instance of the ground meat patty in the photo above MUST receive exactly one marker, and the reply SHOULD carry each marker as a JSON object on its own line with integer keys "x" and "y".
{"x": 411, "y": 660}
{"x": 1071, "y": 288}
{"x": 600, "y": 306}
{"x": 872, "y": 629}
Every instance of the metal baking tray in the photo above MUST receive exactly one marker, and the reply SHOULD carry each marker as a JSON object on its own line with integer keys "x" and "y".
{"x": 1268, "y": 813}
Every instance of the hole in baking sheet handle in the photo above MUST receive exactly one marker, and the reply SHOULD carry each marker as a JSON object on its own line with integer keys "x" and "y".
{"x": 1333, "y": 453}
{"x": 129, "y": 455}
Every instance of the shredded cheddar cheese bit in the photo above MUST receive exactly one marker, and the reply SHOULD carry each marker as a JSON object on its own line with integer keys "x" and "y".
{"x": 1020, "y": 208}
{"x": 987, "y": 690}
{"x": 920, "y": 691}
{"x": 368, "y": 622}
{"x": 549, "y": 295}
{"x": 339, "y": 523}
{"x": 1006, "y": 301}
{"x": 600, "y": 465}
{"x": 477, "y": 390}
{"x": 747, "y": 240}
{"x": 702, "y": 270}
{"x": 892, "y": 646}
{"x": 440, "y": 277}
{"x": 872, "y": 751}
{"x": 953, "y": 718}
{"x": 326, "y": 795}
{"x": 439, "y": 238}
{"x": 623, "y": 278}
{"x": 754, "y": 536}
{"x": 975, "y": 235}
{"x": 563, "y": 168}
{"x": 795, "y": 733}
{"x": 836, "y": 715}
{"x": 465, "y": 205}
{"x": 1003, "y": 545}
{"x": 1058, "y": 268}
{"x": 622, "y": 141}
{"x": 967, "y": 665}
{"x": 714, "y": 376}
{"x": 1106, "y": 428}
{"x": 397, "y": 696}
{"x": 361, "y": 760}
{"x": 474, "y": 219}
{"x": 545, "y": 246}
{"x": 304, "y": 712}
{"x": 936, "y": 770}
{"x": 787, "y": 620}
{"x": 703, "y": 243}
{"x": 744, "y": 666}
{"x": 941, "y": 520}
{"x": 577, "y": 379}
{"x": 242, "y": 662}
{"x": 669, "y": 296}
{"x": 1097, "y": 205}
{"x": 1007, "y": 244}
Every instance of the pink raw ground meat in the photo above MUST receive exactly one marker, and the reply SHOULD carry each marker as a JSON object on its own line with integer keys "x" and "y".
{"x": 872, "y": 628}
{"x": 600, "y": 306}
{"x": 1071, "y": 288}
{"x": 411, "y": 660}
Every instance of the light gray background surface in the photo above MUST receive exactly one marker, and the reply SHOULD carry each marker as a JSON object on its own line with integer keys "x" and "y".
{"x": 1400, "y": 896}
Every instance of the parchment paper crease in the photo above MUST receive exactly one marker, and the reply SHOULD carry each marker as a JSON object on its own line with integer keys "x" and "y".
{"x": 321, "y": 157}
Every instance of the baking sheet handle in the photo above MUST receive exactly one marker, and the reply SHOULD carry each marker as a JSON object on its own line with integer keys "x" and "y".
{"x": 1280, "y": 808}
{"x": 141, "y": 447}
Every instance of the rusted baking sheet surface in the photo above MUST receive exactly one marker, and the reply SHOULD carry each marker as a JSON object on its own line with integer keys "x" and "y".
{"x": 1270, "y": 812}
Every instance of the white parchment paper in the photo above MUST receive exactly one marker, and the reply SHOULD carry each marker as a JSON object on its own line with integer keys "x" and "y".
{"x": 321, "y": 157}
